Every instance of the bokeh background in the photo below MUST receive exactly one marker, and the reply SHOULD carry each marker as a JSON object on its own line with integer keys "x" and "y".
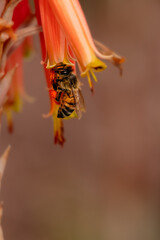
{"x": 105, "y": 182}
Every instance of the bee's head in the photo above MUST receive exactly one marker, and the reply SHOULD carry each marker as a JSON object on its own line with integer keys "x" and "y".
{"x": 63, "y": 70}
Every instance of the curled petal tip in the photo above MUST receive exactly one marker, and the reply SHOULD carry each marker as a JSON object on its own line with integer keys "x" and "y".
{"x": 117, "y": 61}
{"x": 28, "y": 98}
{"x": 42, "y": 62}
{"x": 47, "y": 115}
{"x": 121, "y": 60}
{"x": 106, "y": 53}
{"x": 51, "y": 112}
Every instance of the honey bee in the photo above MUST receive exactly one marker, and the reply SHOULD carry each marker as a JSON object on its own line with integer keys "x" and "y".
{"x": 69, "y": 95}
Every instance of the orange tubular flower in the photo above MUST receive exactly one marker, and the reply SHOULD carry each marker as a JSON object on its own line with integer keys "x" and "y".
{"x": 77, "y": 32}
{"x": 53, "y": 51}
{"x": 67, "y": 39}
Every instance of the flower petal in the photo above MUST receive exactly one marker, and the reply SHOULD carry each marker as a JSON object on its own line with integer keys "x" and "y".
{"x": 8, "y": 11}
{"x": 74, "y": 32}
{"x": 2, "y": 5}
{"x": 104, "y": 52}
{"x": 5, "y": 84}
{"x": 54, "y": 37}
{"x": 12, "y": 44}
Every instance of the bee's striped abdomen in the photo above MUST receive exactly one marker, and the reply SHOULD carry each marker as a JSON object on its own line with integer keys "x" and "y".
{"x": 67, "y": 106}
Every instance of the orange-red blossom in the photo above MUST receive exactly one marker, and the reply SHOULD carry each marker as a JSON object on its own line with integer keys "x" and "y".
{"x": 66, "y": 38}
{"x": 16, "y": 23}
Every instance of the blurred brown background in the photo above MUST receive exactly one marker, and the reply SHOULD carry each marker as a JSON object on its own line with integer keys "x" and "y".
{"x": 105, "y": 183}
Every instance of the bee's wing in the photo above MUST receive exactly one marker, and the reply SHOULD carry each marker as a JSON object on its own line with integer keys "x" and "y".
{"x": 81, "y": 101}
{"x": 80, "y": 105}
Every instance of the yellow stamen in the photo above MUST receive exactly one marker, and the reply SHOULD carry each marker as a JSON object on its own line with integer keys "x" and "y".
{"x": 89, "y": 80}
{"x": 93, "y": 75}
